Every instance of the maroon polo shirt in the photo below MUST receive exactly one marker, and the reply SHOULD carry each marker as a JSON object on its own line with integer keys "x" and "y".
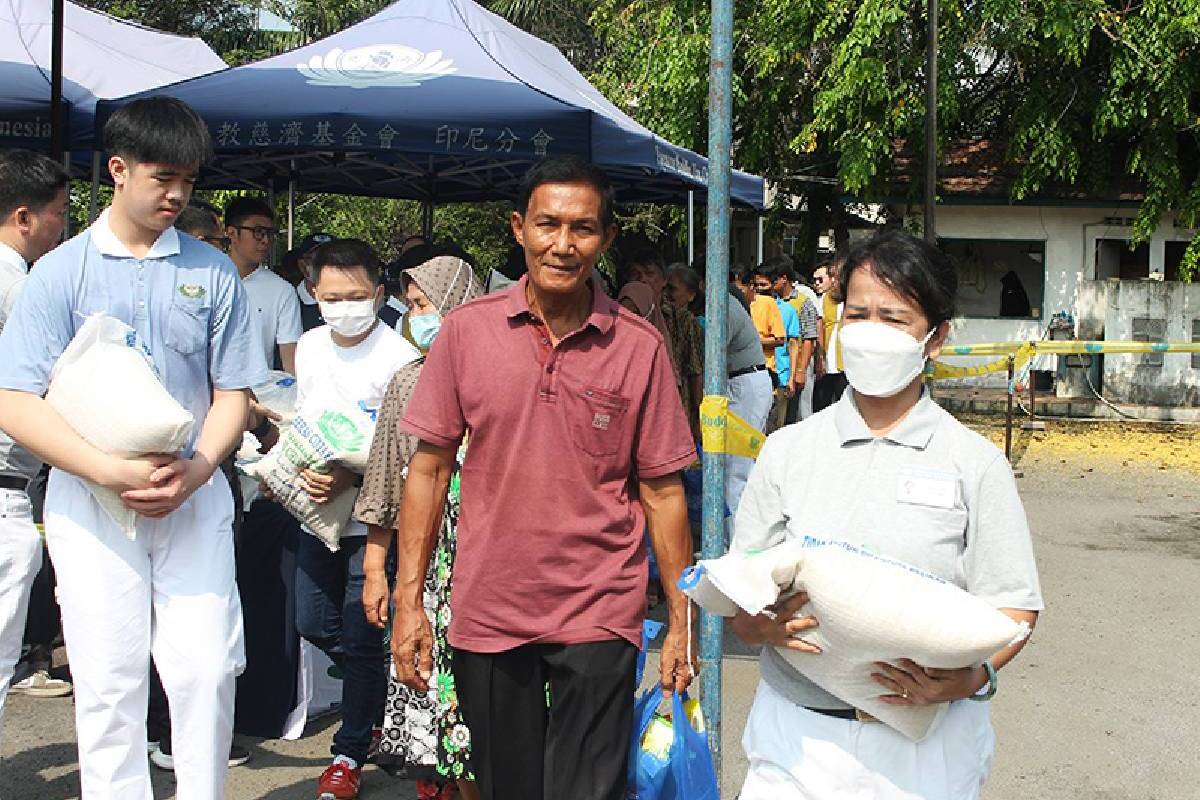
{"x": 550, "y": 546}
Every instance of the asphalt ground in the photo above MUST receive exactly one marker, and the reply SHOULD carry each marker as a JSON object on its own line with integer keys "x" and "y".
{"x": 1104, "y": 704}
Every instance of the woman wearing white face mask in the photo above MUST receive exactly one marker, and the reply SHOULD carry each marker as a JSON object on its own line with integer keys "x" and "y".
{"x": 886, "y": 469}
{"x": 423, "y": 731}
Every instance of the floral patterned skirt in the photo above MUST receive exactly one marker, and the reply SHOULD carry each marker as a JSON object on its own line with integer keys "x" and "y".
{"x": 424, "y": 732}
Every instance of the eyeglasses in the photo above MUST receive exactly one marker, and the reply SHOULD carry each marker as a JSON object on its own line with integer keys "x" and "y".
{"x": 219, "y": 242}
{"x": 259, "y": 232}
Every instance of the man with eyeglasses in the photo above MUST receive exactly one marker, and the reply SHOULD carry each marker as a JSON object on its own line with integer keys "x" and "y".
{"x": 250, "y": 227}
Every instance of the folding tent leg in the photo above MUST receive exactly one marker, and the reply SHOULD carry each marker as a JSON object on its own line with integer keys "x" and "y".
{"x": 94, "y": 197}
{"x": 291, "y": 219}
{"x": 427, "y": 219}
{"x": 759, "y": 260}
{"x": 691, "y": 228}
{"x": 66, "y": 161}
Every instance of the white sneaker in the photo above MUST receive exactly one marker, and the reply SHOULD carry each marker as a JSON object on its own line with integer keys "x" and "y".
{"x": 40, "y": 684}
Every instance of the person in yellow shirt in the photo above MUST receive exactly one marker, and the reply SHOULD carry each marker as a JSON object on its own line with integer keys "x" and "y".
{"x": 831, "y": 381}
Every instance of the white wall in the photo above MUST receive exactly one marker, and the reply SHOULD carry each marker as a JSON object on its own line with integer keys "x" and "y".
{"x": 1070, "y": 236}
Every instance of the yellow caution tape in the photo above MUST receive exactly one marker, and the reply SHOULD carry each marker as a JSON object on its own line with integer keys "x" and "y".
{"x": 1022, "y": 352}
{"x": 722, "y": 431}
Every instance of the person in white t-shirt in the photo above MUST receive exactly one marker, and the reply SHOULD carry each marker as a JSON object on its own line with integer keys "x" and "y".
{"x": 250, "y": 226}
{"x": 354, "y": 356}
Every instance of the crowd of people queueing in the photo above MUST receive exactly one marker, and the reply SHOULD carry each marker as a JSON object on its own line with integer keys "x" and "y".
{"x": 531, "y": 431}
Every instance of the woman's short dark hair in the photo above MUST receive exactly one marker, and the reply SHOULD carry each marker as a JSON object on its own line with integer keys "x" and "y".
{"x": 911, "y": 267}
{"x": 28, "y": 179}
{"x": 158, "y": 130}
{"x": 687, "y": 276}
{"x": 346, "y": 254}
{"x": 568, "y": 169}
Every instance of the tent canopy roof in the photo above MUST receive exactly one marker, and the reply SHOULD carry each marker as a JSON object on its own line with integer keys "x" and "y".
{"x": 436, "y": 100}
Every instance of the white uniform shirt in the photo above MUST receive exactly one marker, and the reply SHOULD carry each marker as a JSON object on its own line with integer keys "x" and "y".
{"x": 275, "y": 310}
{"x": 358, "y": 374}
{"x": 932, "y": 493}
{"x": 15, "y": 461}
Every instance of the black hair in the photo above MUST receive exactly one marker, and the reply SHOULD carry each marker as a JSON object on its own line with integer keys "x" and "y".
{"x": 745, "y": 275}
{"x": 781, "y": 266}
{"x": 514, "y": 265}
{"x": 912, "y": 267}
{"x": 240, "y": 209}
{"x": 346, "y": 254}
{"x": 199, "y": 216}
{"x": 568, "y": 169}
{"x": 646, "y": 256}
{"x": 158, "y": 130}
{"x": 28, "y": 179}
{"x": 766, "y": 270}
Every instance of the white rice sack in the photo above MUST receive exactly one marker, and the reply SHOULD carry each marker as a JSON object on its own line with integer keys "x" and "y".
{"x": 106, "y": 387}
{"x": 869, "y": 608}
{"x": 321, "y": 434}
{"x": 279, "y": 395}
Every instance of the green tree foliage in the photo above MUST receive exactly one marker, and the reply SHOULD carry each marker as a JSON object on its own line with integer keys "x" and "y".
{"x": 1080, "y": 90}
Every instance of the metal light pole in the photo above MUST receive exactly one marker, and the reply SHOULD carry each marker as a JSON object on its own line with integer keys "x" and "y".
{"x": 720, "y": 133}
{"x": 931, "y": 79}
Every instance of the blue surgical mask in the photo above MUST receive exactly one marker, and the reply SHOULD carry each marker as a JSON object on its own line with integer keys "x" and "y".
{"x": 423, "y": 328}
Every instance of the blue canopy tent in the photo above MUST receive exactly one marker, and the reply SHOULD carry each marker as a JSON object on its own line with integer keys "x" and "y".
{"x": 432, "y": 100}
{"x": 103, "y": 57}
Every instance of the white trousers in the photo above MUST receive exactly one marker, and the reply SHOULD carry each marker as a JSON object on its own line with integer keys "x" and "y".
{"x": 20, "y": 560}
{"x": 169, "y": 592}
{"x": 750, "y": 397}
{"x": 797, "y": 754}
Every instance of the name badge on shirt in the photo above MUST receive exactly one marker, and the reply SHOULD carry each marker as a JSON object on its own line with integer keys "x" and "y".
{"x": 927, "y": 488}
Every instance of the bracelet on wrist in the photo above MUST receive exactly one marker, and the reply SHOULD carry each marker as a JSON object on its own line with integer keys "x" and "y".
{"x": 990, "y": 692}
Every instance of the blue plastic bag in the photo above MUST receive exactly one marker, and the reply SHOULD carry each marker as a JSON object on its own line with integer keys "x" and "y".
{"x": 647, "y": 771}
{"x": 694, "y": 777}
{"x": 682, "y": 770}
{"x": 650, "y": 631}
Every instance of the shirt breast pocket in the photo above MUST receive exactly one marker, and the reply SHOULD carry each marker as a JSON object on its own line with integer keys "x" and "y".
{"x": 599, "y": 421}
{"x": 187, "y": 327}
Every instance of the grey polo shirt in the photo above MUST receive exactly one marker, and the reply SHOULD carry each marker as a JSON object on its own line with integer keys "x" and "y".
{"x": 932, "y": 493}
{"x": 745, "y": 347}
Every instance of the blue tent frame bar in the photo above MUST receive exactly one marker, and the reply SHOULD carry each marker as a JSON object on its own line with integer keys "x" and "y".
{"x": 720, "y": 134}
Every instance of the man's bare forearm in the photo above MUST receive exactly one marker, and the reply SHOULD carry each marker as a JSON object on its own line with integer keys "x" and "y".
{"x": 425, "y": 490}
{"x": 666, "y": 514}
{"x": 36, "y": 425}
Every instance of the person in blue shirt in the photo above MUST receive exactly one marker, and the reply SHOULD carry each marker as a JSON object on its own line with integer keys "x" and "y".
{"x": 169, "y": 590}
{"x": 787, "y": 353}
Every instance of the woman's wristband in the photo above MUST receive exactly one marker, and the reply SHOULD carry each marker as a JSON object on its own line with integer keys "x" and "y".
{"x": 991, "y": 684}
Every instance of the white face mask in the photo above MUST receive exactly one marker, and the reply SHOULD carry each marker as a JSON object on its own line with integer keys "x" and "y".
{"x": 879, "y": 360}
{"x": 349, "y": 317}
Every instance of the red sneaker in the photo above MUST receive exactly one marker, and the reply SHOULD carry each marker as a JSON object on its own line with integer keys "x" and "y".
{"x": 339, "y": 782}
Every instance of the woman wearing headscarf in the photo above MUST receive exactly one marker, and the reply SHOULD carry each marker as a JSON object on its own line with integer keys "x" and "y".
{"x": 423, "y": 732}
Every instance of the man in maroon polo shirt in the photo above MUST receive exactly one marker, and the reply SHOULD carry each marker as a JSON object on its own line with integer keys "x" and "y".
{"x": 577, "y": 437}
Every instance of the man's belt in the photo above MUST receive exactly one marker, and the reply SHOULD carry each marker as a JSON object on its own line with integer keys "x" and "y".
{"x": 14, "y": 483}
{"x": 737, "y": 373}
{"x": 855, "y": 714}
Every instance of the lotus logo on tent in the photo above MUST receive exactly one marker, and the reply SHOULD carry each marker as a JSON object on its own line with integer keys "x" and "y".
{"x": 383, "y": 65}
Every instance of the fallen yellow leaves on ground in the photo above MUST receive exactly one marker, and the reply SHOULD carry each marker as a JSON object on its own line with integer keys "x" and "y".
{"x": 1137, "y": 444}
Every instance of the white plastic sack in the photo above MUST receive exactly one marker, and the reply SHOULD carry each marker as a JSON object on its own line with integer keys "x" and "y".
{"x": 279, "y": 395}
{"x": 105, "y": 386}
{"x": 869, "y": 608}
{"x": 322, "y": 434}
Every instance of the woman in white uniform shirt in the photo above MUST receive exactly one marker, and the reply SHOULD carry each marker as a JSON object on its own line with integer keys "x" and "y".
{"x": 963, "y": 522}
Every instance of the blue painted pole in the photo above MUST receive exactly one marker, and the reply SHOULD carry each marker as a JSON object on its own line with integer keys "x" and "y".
{"x": 716, "y": 271}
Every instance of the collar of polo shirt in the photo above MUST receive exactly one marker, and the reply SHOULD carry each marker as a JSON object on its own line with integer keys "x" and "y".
{"x": 167, "y": 243}
{"x": 914, "y": 431}
{"x": 604, "y": 308}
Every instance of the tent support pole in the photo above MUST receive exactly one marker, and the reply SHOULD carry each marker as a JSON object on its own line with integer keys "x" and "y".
{"x": 427, "y": 219}
{"x": 291, "y": 213}
{"x": 720, "y": 118}
{"x": 58, "y": 117}
{"x": 66, "y": 162}
{"x": 275, "y": 241}
{"x": 691, "y": 228}
{"x": 94, "y": 195}
{"x": 760, "y": 240}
